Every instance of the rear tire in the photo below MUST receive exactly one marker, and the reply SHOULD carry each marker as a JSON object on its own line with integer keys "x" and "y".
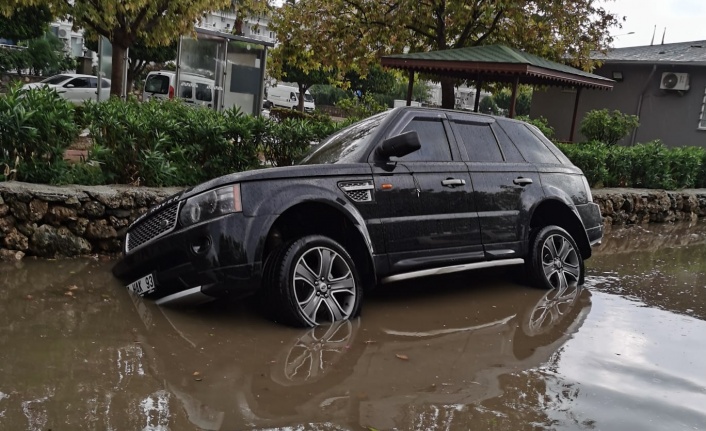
{"x": 311, "y": 281}
{"x": 555, "y": 261}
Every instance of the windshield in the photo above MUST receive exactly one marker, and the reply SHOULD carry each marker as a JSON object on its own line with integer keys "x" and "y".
{"x": 308, "y": 98}
{"x": 346, "y": 145}
{"x": 55, "y": 80}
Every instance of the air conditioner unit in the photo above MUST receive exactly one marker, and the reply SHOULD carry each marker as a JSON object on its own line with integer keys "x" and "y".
{"x": 63, "y": 34}
{"x": 674, "y": 81}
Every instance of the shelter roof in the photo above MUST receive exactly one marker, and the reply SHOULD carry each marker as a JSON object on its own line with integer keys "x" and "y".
{"x": 495, "y": 63}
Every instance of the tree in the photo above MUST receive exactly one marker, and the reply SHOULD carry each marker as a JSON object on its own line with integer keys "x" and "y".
{"x": 46, "y": 56}
{"x": 123, "y": 23}
{"x": 357, "y": 32}
{"x": 503, "y": 98}
{"x": 139, "y": 56}
{"x": 25, "y": 23}
{"x": 377, "y": 80}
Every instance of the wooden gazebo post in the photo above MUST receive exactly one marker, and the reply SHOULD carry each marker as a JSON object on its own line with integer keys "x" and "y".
{"x": 513, "y": 101}
{"x": 576, "y": 110}
{"x": 410, "y": 88}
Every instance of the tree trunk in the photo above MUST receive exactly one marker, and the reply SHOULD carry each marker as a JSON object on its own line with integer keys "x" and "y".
{"x": 448, "y": 97}
{"x": 302, "y": 90}
{"x": 116, "y": 71}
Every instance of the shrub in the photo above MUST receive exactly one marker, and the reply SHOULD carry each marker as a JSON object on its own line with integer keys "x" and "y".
{"x": 359, "y": 108}
{"x": 590, "y": 158}
{"x": 606, "y": 127}
{"x": 541, "y": 123}
{"x": 36, "y": 128}
{"x": 164, "y": 143}
{"x": 651, "y": 167}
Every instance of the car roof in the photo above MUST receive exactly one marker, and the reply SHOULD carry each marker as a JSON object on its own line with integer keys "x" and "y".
{"x": 74, "y": 75}
{"x": 458, "y": 112}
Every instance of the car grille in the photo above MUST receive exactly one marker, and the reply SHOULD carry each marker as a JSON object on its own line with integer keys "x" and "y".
{"x": 358, "y": 191}
{"x": 153, "y": 227}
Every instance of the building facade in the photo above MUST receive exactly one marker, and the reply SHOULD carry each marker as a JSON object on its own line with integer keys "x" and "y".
{"x": 664, "y": 85}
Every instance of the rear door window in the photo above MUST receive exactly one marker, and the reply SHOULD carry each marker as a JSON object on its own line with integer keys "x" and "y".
{"x": 203, "y": 93}
{"x": 479, "y": 141}
{"x": 156, "y": 84}
{"x": 532, "y": 149}
{"x": 186, "y": 90}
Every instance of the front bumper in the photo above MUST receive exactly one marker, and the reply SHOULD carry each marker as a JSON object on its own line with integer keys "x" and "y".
{"x": 210, "y": 256}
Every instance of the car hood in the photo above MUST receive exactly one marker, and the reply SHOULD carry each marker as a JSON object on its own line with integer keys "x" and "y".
{"x": 37, "y": 85}
{"x": 281, "y": 173}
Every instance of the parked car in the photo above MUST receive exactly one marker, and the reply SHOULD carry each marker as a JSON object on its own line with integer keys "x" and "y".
{"x": 286, "y": 96}
{"x": 406, "y": 193}
{"x": 195, "y": 89}
{"x": 74, "y": 87}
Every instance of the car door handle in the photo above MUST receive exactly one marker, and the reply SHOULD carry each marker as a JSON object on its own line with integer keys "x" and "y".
{"x": 522, "y": 181}
{"x": 453, "y": 182}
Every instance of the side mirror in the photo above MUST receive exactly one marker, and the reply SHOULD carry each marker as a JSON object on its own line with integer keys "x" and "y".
{"x": 399, "y": 146}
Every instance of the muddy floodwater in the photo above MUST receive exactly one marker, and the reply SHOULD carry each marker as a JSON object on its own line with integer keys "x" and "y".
{"x": 476, "y": 351}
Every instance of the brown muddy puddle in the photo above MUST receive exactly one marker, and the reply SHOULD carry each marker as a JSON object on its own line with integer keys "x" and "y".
{"x": 473, "y": 351}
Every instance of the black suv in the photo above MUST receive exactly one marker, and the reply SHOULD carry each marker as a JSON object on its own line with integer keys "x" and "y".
{"x": 406, "y": 193}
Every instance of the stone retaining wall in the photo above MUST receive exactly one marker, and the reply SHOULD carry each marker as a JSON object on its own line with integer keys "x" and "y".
{"x": 49, "y": 221}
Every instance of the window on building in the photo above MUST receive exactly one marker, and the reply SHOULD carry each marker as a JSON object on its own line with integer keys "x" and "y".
{"x": 702, "y": 117}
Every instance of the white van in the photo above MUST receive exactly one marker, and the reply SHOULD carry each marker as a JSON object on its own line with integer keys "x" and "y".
{"x": 285, "y": 96}
{"x": 194, "y": 89}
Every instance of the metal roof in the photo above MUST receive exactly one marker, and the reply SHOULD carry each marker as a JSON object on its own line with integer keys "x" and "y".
{"x": 670, "y": 53}
{"x": 495, "y": 63}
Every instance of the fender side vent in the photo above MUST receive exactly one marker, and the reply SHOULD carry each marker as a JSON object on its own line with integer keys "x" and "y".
{"x": 358, "y": 191}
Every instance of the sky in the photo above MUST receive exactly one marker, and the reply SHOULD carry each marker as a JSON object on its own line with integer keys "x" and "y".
{"x": 685, "y": 21}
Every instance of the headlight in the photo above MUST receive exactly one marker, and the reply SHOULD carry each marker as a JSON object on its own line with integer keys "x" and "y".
{"x": 211, "y": 204}
{"x": 589, "y": 195}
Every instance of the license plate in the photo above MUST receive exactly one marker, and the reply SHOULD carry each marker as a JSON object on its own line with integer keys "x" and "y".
{"x": 142, "y": 286}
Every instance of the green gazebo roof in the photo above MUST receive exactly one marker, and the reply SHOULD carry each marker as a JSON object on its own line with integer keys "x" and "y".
{"x": 495, "y": 63}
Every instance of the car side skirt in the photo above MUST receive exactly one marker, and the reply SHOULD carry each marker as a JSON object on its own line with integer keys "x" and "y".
{"x": 451, "y": 269}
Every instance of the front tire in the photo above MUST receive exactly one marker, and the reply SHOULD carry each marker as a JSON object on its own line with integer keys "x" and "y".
{"x": 312, "y": 281}
{"x": 555, "y": 261}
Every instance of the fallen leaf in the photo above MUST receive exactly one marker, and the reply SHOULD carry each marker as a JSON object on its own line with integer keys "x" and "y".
{"x": 196, "y": 374}
{"x": 69, "y": 293}
{"x": 72, "y": 288}
{"x": 403, "y": 357}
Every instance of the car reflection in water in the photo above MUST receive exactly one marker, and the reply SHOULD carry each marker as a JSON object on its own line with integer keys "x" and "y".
{"x": 362, "y": 372}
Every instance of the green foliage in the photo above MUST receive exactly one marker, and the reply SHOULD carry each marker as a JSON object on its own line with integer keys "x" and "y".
{"x": 344, "y": 34}
{"x": 541, "y": 123}
{"x": 650, "y": 165}
{"x": 13, "y": 59}
{"x": 488, "y": 106}
{"x": 25, "y": 23}
{"x": 590, "y": 158}
{"x": 503, "y": 98}
{"x": 327, "y": 94}
{"x": 420, "y": 90}
{"x": 36, "y": 127}
{"x": 377, "y": 80}
{"x": 168, "y": 143}
{"x": 359, "y": 108}
{"x": 46, "y": 56}
{"x": 607, "y": 127}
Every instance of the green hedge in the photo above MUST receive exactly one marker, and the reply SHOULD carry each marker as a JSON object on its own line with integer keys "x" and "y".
{"x": 167, "y": 143}
{"x": 651, "y": 165}
{"x": 36, "y": 128}
{"x": 156, "y": 143}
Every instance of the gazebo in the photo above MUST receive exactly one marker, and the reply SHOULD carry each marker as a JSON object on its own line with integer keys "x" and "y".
{"x": 496, "y": 63}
